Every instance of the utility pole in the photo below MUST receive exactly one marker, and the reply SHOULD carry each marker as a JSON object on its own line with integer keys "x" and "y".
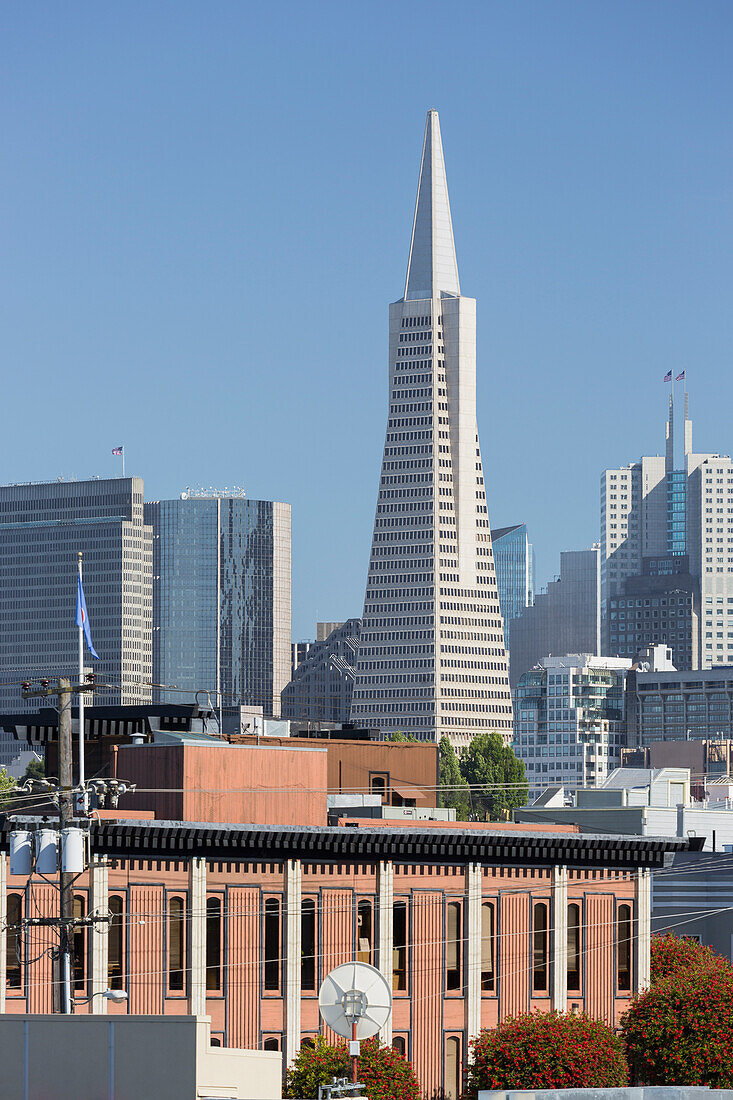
{"x": 66, "y": 816}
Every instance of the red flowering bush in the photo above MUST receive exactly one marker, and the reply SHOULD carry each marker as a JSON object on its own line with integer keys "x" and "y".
{"x": 672, "y": 955}
{"x": 547, "y": 1050}
{"x": 384, "y": 1072}
{"x": 680, "y": 1032}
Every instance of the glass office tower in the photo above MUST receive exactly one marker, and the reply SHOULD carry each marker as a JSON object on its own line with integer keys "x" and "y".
{"x": 43, "y": 526}
{"x": 221, "y": 608}
{"x": 514, "y": 561}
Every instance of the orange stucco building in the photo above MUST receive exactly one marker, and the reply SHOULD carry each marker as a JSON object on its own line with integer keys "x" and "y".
{"x": 242, "y": 922}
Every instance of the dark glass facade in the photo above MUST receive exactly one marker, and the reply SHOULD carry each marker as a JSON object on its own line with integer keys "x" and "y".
{"x": 514, "y": 562}
{"x": 221, "y": 611}
{"x": 43, "y": 526}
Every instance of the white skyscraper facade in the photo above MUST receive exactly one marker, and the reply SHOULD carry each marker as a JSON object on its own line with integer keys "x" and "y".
{"x": 431, "y": 658}
{"x": 667, "y": 553}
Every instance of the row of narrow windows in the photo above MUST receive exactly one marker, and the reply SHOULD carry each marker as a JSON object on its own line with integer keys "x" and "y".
{"x": 272, "y": 948}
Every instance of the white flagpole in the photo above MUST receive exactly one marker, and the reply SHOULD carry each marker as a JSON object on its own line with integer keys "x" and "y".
{"x": 81, "y": 705}
{"x": 123, "y": 459}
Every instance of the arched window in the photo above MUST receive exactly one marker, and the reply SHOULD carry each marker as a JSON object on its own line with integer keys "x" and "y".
{"x": 213, "y": 944}
{"x": 272, "y": 1043}
{"x": 487, "y": 947}
{"x": 453, "y": 945}
{"x": 13, "y": 970}
{"x": 574, "y": 947}
{"x": 364, "y": 931}
{"x": 80, "y": 942}
{"x": 176, "y": 946}
{"x": 308, "y": 945}
{"x": 399, "y": 946}
{"x": 452, "y": 1088}
{"x": 272, "y": 944}
{"x": 398, "y": 1042}
{"x": 623, "y": 948}
{"x": 115, "y": 944}
{"x": 539, "y": 948}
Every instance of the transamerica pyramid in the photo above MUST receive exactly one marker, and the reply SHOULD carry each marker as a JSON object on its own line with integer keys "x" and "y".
{"x": 431, "y": 656}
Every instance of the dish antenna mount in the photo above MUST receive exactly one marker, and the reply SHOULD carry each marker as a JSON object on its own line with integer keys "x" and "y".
{"x": 355, "y": 1001}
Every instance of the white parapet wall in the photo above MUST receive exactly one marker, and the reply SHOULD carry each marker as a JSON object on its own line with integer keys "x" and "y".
{"x": 120, "y": 1057}
{"x": 646, "y": 1092}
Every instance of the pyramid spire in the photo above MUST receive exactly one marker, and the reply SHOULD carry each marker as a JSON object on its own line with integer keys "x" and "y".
{"x": 432, "y": 268}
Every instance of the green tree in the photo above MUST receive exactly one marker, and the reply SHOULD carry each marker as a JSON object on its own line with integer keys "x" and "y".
{"x": 546, "y": 1050}
{"x": 385, "y": 1073}
{"x": 454, "y": 791}
{"x": 7, "y": 787}
{"x": 680, "y": 1031}
{"x": 496, "y": 776}
{"x": 399, "y": 736}
{"x": 36, "y": 769}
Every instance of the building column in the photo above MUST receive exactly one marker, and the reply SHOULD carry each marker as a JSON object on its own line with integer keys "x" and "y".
{"x": 197, "y": 933}
{"x": 385, "y": 903}
{"x": 293, "y": 949}
{"x": 560, "y": 939}
{"x": 99, "y": 939}
{"x": 644, "y": 929}
{"x": 473, "y": 953}
{"x": 3, "y": 929}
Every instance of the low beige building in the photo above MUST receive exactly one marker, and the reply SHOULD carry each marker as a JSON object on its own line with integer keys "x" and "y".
{"x": 129, "y": 1058}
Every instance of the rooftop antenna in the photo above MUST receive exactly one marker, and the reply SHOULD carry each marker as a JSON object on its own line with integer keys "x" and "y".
{"x": 355, "y": 1001}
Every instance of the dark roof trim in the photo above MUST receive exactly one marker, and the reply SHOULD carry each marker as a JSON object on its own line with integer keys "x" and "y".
{"x": 262, "y": 843}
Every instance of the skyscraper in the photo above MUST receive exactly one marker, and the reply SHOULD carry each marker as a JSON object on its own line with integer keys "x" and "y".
{"x": 43, "y": 526}
{"x": 221, "y": 609}
{"x": 564, "y": 619}
{"x": 323, "y": 681}
{"x": 514, "y": 561}
{"x": 431, "y": 657}
{"x": 667, "y": 541}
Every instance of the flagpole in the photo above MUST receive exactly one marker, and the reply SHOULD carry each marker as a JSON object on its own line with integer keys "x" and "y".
{"x": 123, "y": 459}
{"x": 81, "y": 704}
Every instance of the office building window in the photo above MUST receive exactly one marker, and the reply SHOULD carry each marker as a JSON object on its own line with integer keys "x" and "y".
{"x": 452, "y": 1090}
{"x": 79, "y": 946}
{"x": 487, "y": 947}
{"x": 539, "y": 948}
{"x": 176, "y": 925}
{"x": 623, "y": 948}
{"x": 14, "y": 915}
{"x": 453, "y": 945}
{"x": 272, "y": 945}
{"x": 399, "y": 946}
{"x": 364, "y": 931}
{"x": 115, "y": 944}
{"x": 213, "y": 944}
{"x": 574, "y": 947}
{"x": 308, "y": 945}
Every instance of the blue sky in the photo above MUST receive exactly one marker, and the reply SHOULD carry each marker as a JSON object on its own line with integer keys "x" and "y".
{"x": 207, "y": 208}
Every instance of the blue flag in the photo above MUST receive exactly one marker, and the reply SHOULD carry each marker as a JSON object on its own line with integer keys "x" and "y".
{"x": 82, "y": 619}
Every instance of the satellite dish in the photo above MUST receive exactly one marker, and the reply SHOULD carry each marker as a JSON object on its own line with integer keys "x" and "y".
{"x": 355, "y": 993}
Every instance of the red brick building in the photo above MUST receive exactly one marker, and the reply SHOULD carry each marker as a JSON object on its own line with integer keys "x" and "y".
{"x": 242, "y": 922}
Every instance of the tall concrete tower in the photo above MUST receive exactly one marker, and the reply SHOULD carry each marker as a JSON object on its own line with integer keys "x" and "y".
{"x": 431, "y": 658}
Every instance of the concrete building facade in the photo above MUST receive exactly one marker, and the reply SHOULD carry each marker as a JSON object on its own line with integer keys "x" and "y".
{"x": 680, "y": 706}
{"x": 570, "y": 723}
{"x": 43, "y": 527}
{"x": 566, "y": 618}
{"x": 222, "y": 598}
{"x": 432, "y": 659}
{"x": 321, "y": 686}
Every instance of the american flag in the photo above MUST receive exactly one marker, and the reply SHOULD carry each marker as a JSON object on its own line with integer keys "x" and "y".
{"x": 667, "y": 378}
{"x": 680, "y": 377}
{"x": 117, "y": 450}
